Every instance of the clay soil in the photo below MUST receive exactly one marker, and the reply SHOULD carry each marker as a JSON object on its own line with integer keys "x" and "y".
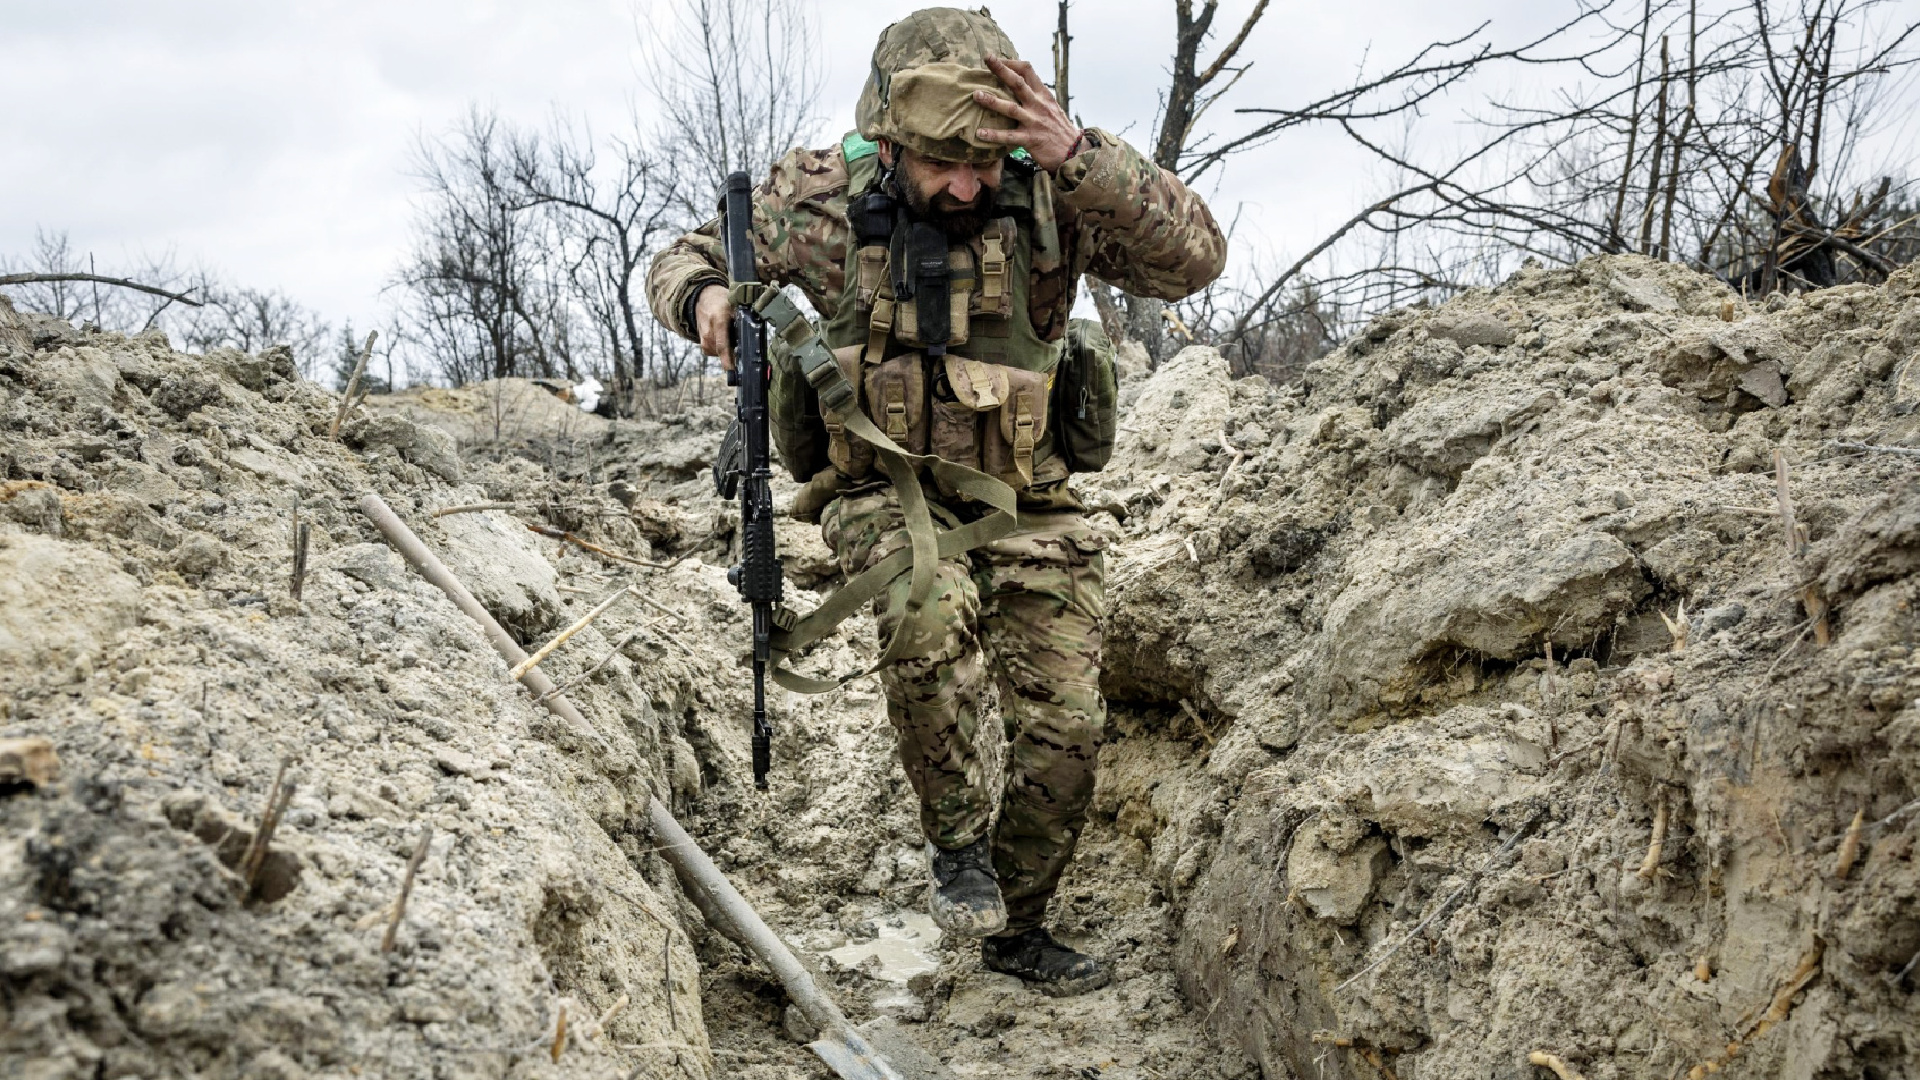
{"x": 1539, "y": 677}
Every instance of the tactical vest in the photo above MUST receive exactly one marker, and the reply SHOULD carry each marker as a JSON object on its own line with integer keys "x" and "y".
{"x": 969, "y": 419}
{"x": 983, "y": 400}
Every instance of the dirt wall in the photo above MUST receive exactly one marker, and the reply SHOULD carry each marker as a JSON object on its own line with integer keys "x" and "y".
{"x": 146, "y": 534}
{"x": 1497, "y": 603}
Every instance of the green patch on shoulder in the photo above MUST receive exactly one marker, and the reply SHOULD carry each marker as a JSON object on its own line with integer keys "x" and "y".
{"x": 853, "y": 147}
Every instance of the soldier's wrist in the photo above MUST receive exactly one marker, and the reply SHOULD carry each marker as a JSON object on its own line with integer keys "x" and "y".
{"x": 690, "y": 307}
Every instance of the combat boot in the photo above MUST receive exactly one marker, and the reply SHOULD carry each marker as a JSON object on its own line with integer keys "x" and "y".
{"x": 1043, "y": 963}
{"x": 965, "y": 897}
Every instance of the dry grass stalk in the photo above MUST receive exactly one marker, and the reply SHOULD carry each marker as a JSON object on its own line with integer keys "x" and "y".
{"x": 1676, "y": 626}
{"x": 666, "y": 977}
{"x": 560, "y": 1033}
{"x": 613, "y": 1011}
{"x": 586, "y": 620}
{"x": 1817, "y": 608}
{"x": 278, "y": 798}
{"x": 1791, "y": 645}
{"x": 1905, "y": 451}
{"x": 1785, "y": 500}
{"x": 1777, "y": 1011}
{"x": 352, "y": 396}
{"x": 1703, "y": 970}
{"x": 1651, "y": 865}
{"x": 530, "y": 507}
{"x": 302, "y": 536}
{"x": 598, "y": 664}
{"x": 1850, "y": 846}
{"x": 1552, "y": 1062}
{"x": 566, "y": 537}
{"x": 392, "y": 935}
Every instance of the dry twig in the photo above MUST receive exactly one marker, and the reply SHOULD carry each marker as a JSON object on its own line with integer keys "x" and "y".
{"x": 1651, "y": 865}
{"x": 602, "y": 662}
{"x": 123, "y": 283}
{"x": 406, "y": 889}
{"x": 560, "y": 639}
{"x": 560, "y": 1033}
{"x": 1552, "y": 1062}
{"x": 1850, "y": 846}
{"x": 566, "y": 537}
{"x": 352, "y": 396}
{"x": 1784, "y": 498}
{"x": 474, "y": 508}
{"x": 278, "y": 799}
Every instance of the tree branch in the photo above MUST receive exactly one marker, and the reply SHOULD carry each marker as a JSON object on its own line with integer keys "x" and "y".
{"x": 29, "y": 279}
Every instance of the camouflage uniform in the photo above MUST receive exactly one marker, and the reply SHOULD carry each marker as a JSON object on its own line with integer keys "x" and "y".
{"x": 1032, "y": 603}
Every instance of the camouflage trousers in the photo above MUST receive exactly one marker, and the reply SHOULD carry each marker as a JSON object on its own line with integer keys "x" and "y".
{"x": 1028, "y": 607}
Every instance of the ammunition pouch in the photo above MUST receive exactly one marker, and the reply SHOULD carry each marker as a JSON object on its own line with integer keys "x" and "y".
{"x": 987, "y": 417}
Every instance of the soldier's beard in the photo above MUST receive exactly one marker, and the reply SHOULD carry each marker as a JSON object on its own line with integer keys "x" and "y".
{"x": 955, "y": 219}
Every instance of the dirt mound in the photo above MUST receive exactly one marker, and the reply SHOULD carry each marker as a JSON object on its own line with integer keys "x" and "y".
{"x": 1496, "y": 604}
{"x": 146, "y": 532}
{"x": 1471, "y": 700}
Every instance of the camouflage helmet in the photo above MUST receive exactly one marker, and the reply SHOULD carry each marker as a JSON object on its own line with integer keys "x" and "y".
{"x": 919, "y": 92}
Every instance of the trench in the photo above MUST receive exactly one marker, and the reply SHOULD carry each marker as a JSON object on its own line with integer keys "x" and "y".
{"x": 925, "y": 1000}
{"x": 1618, "y": 855}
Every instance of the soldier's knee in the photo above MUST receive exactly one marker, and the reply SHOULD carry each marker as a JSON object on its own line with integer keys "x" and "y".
{"x": 945, "y": 626}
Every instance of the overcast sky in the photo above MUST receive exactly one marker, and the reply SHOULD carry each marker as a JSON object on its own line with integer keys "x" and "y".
{"x": 270, "y": 141}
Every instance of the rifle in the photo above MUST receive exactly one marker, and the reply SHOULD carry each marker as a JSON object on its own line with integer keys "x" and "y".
{"x": 744, "y": 465}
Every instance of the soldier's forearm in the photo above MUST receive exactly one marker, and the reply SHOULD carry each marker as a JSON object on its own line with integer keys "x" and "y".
{"x": 1155, "y": 236}
{"x": 675, "y": 279}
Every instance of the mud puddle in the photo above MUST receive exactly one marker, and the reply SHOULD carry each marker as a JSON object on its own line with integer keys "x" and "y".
{"x": 896, "y": 949}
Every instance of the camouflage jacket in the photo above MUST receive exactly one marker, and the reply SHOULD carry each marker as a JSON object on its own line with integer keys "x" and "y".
{"x": 1119, "y": 217}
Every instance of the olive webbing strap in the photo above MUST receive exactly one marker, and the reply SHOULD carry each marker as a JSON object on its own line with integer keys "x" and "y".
{"x": 927, "y": 546}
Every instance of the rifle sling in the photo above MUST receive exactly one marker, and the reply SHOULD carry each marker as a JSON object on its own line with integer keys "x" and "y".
{"x": 927, "y": 544}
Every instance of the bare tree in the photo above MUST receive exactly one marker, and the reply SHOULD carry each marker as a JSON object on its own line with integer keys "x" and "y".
{"x": 478, "y": 287}
{"x": 57, "y": 280}
{"x": 199, "y": 312}
{"x": 253, "y": 319}
{"x": 608, "y": 221}
{"x": 1192, "y": 89}
{"x": 737, "y": 84}
{"x": 1721, "y": 134}
{"x": 530, "y": 244}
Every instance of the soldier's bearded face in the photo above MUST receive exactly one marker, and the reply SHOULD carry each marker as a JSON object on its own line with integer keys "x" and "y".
{"x": 954, "y": 195}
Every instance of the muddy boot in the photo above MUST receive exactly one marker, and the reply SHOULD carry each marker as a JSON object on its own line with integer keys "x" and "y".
{"x": 965, "y": 897}
{"x": 1045, "y": 964}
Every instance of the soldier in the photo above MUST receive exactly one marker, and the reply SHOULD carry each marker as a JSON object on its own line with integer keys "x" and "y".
{"x": 943, "y": 243}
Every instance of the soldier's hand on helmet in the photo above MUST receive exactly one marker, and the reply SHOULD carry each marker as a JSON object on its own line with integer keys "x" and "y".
{"x": 1044, "y": 128}
{"x": 713, "y": 318}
